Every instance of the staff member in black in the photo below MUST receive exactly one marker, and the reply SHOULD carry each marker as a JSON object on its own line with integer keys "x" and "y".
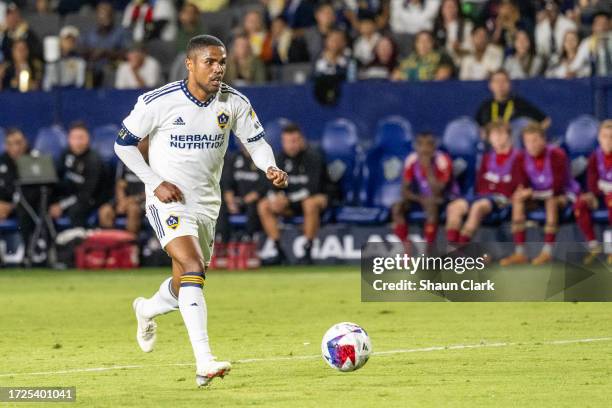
{"x": 81, "y": 173}
{"x": 243, "y": 185}
{"x": 505, "y": 105}
{"x": 306, "y": 194}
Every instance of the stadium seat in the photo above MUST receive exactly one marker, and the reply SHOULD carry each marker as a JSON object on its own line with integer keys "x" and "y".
{"x": 104, "y": 141}
{"x": 517, "y": 125}
{"x": 296, "y": 73}
{"x": 44, "y": 24}
{"x": 84, "y": 22}
{"x": 461, "y": 139}
{"x": 580, "y": 140}
{"x": 218, "y": 23}
{"x": 164, "y": 52}
{"x": 342, "y": 154}
{"x": 51, "y": 140}
{"x": 385, "y": 162}
{"x": 274, "y": 129}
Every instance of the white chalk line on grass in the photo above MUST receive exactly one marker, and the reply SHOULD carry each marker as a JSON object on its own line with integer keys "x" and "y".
{"x": 310, "y": 357}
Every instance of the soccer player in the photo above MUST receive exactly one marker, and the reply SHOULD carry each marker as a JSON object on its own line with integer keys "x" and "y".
{"x": 427, "y": 185}
{"x": 501, "y": 172}
{"x": 548, "y": 184}
{"x": 599, "y": 190}
{"x": 188, "y": 124}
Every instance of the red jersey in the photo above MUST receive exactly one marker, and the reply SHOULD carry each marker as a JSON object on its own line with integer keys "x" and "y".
{"x": 415, "y": 175}
{"x": 501, "y": 173}
{"x": 559, "y": 169}
{"x": 599, "y": 171}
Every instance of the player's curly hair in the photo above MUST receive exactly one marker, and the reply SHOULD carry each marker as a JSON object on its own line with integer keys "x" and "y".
{"x": 203, "y": 41}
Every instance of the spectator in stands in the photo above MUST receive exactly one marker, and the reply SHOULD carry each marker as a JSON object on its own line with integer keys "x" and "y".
{"x": 559, "y": 64}
{"x": 244, "y": 68}
{"x": 129, "y": 200}
{"x": 139, "y": 71}
{"x": 24, "y": 72}
{"x": 189, "y": 25}
{"x": 507, "y": 23}
{"x": 210, "y": 6}
{"x": 15, "y": 29}
{"x": 281, "y": 46}
{"x": 385, "y": 61}
{"x": 423, "y": 63}
{"x": 427, "y": 186}
{"x": 452, "y": 31}
{"x": 82, "y": 179}
{"x": 551, "y": 30}
{"x": 305, "y": 195}
{"x": 325, "y": 17}
{"x": 150, "y": 19}
{"x": 377, "y": 10}
{"x": 70, "y": 69}
{"x": 43, "y": 7}
{"x": 255, "y": 29}
{"x": 333, "y": 67}
{"x": 485, "y": 59}
{"x": 413, "y": 16}
{"x": 243, "y": 185}
{"x": 595, "y": 51}
{"x": 524, "y": 63}
{"x": 547, "y": 185}
{"x": 299, "y": 14}
{"x": 505, "y": 106}
{"x": 105, "y": 44}
{"x": 365, "y": 43}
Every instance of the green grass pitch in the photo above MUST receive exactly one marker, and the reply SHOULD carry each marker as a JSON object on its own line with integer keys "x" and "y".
{"x": 67, "y": 325}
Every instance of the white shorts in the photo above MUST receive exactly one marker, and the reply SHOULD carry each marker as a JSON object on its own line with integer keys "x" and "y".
{"x": 174, "y": 220}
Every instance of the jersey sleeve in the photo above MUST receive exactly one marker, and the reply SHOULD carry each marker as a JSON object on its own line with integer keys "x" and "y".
{"x": 247, "y": 126}
{"x": 248, "y": 129}
{"x": 137, "y": 125}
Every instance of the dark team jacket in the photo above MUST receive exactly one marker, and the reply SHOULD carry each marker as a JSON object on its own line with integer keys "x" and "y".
{"x": 134, "y": 185}
{"x": 8, "y": 176}
{"x": 241, "y": 176}
{"x": 307, "y": 174}
{"x": 82, "y": 180}
{"x": 515, "y": 107}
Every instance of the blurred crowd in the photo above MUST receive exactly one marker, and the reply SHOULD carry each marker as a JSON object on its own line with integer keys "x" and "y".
{"x": 141, "y": 43}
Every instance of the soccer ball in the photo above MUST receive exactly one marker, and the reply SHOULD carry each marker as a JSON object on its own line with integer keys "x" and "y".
{"x": 346, "y": 346}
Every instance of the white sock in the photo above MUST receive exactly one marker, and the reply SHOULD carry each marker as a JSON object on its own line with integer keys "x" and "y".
{"x": 162, "y": 302}
{"x": 519, "y": 249}
{"x": 593, "y": 245}
{"x": 548, "y": 247}
{"x": 193, "y": 309}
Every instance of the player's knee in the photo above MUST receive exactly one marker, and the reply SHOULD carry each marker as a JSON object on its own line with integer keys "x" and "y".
{"x": 310, "y": 206}
{"x": 263, "y": 206}
{"x": 191, "y": 264}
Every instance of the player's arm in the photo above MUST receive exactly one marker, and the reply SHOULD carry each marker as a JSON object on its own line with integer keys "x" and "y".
{"x": 136, "y": 127}
{"x": 251, "y": 133}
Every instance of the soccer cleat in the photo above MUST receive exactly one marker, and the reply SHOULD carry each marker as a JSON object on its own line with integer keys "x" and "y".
{"x": 592, "y": 255}
{"x": 514, "y": 259}
{"x": 146, "y": 331}
{"x": 544, "y": 258}
{"x": 210, "y": 370}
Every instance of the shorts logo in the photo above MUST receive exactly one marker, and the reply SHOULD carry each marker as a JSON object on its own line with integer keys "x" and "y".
{"x": 172, "y": 222}
{"x": 222, "y": 120}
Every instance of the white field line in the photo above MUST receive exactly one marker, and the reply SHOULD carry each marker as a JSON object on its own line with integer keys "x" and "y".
{"x": 311, "y": 357}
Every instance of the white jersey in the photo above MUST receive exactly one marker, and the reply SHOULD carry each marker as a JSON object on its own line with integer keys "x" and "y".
{"x": 188, "y": 138}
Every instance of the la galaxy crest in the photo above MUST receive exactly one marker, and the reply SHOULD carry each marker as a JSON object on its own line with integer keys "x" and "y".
{"x": 223, "y": 119}
{"x": 172, "y": 221}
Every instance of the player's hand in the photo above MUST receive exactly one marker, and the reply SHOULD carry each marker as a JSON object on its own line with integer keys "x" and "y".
{"x": 167, "y": 192}
{"x": 278, "y": 177}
